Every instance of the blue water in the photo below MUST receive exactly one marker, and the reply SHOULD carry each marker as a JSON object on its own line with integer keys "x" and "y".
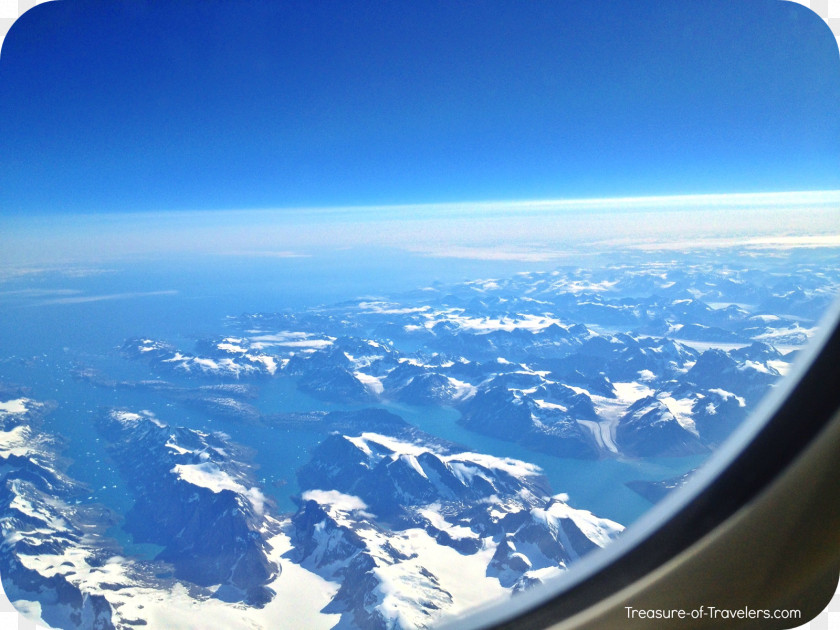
{"x": 594, "y": 485}
{"x": 50, "y": 323}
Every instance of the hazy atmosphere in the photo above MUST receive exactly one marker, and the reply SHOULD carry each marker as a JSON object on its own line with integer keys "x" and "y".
{"x": 366, "y": 317}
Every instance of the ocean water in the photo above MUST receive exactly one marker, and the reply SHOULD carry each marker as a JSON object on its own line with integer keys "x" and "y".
{"x": 52, "y": 323}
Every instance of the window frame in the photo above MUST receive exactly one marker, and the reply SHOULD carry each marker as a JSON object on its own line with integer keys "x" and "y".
{"x": 750, "y": 464}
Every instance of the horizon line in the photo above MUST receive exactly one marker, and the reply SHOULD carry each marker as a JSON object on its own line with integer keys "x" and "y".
{"x": 642, "y": 202}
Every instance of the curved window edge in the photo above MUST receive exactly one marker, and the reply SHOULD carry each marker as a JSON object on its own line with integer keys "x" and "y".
{"x": 779, "y": 441}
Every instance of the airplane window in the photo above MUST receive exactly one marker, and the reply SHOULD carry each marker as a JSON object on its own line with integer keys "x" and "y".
{"x": 431, "y": 315}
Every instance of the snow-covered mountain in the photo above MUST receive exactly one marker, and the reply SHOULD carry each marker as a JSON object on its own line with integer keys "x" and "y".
{"x": 49, "y": 543}
{"x": 194, "y": 497}
{"x": 555, "y": 361}
{"x": 394, "y": 522}
{"x": 385, "y": 521}
{"x": 415, "y": 530}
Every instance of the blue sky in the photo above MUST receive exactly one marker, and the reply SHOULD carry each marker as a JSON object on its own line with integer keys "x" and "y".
{"x": 136, "y": 106}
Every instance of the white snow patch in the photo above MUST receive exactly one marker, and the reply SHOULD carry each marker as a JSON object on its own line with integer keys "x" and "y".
{"x": 782, "y": 367}
{"x": 513, "y": 467}
{"x": 231, "y": 347}
{"x": 631, "y": 392}
{"x": 301, "y": 595}
{"x": 757, "y": 366}
{"x": 601, "y": 531}
{"x": 525, "y": 321}
{"x": 402, "y": 589}
{"x": 727, "y": 395}
{"x": 681, "y": 410}
{"x": 360, "y": 443}
{"x": 268, "y": 361}
{"x": 542, "y": 404}
{"x": 766, "y": 318}
{"x": 390, "y": 308}
{"x": 457, "y": 532}
{"x": 209, "y": 475}
{"x": 335, "y": 499}
{"x": 372, "y": 383}
{"x": 17, "y": 442}
{"x": 175, "y": 447}
{"x": 411, "y": 460}
{"x": 206, "y": 364}
{"x": 131, "y": 418}
{"x": 289, "y": 339}
{"x": 581, "y": 286}
{"x": 15, "y": 406}
{"x": 579, "y": 390}
{"x": 462, "y": 390}
{"x": 646, "y": 376}
{"x": 460, "y": 461}
{"x": 393, "y": 444}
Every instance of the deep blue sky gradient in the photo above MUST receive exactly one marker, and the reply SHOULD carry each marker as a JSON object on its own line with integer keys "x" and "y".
{"x": 134, "y": 106}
